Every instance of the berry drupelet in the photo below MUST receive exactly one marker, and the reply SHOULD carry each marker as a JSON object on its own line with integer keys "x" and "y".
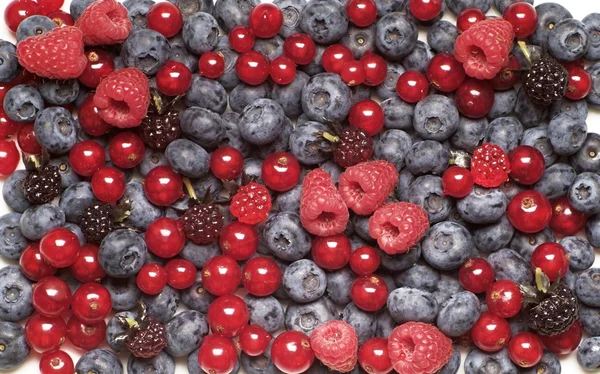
{"x": 96, "y": 222}
{"x": 145, "y": 336}
{"x": 43, "y": 185}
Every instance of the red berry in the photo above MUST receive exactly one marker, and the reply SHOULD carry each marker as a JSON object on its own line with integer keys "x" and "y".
{"x": 373, "y": 356}
{"x": 254, "y": 340}
{"x": 412, "y": 86}
{"x": 126, "y": 150}
{"x": 165, "y": 18}
{"x": 335, "y": 57}
{"x": 226, "y": 163}
{"x": 525, "y": 349}
{"x": 33, "y": 265}
{"x": 504, "y": 298}
{"x": 151, "y": 279}
{"x": 489, "y": 165}
{"x": 86, "y": 267}
{"x": 163, "y": 186}
{"x": 362, "y": 13}
{"x": 217, "y": 355}
{"x": 228, "y": 315}
{"x": 282, "y": 70}
{"x": 490, "y": 333}
{"x": 8, "y": 127}
{"x": 261, "y": 276}
{"x": 104, "y": 22}
{"x": 89, "y": 118}
{"x": 108, "y": 184}
{"x": 476, "y": 275}
{"x": 51, "y": 297}
{"x": 251, "y": 204}
{"x": 57, "y": 362}
{"x": 265, "y": 20}
{"x": 181, "y": 273}
{"x": 468, "y": 18}
{"x": 365, "y": 186}
{"x": 353, "y": 73}
{"x": 375, "y": 68}
{"x": 508, "y": 76}
{"x": 17, "y": 10}
{"x": 9, "y": 157}
{"x": 45, "y": 334}
{"x": 367, "y": 115}
{"x": 425, "y": 10}
{"x": 61, "y": 18}
{"x": 331, "y": 252}
{"x": 252, "y": 68}
{"x": 369, "y": 292}
{"x": 527, "y": 164}
{"x": 565, "y": 342}
{"x": 221, "y": 275}
{"x": 523, "y": 18}
{"x": 87, "y": 157}
{"x": 445, "y": 73}
{"x": 60, "y": 247}
{"x": 99, "y": 65}
{"x": 85, "y": 336}
{"x": 211, "y": 65}
{"x": 580, "y": 83}
{"x": 566, "y": 220}
{"x": 173, "y": 78}
{"x": 335, "y": 344}
{"x": 91, "y": 302}
{"x": 165, "y": 237}
{"x": 457, "y": 182}
{"x": 27, "y": 140}
{"x": 552, "y": 259}
{"x": 365, "y": 260}
{"x": 46, "y": 7}
{"x": 529, "y": 211}
{"x": 280, "y": 171}
{"x": 474, "y": 98}
{"x": 241, "y": 39}
{"x": 300, "y": 48}
{"x": 397, "y": 227}
{"x": 291, "y": 352}
{"x": 239, "y": 240}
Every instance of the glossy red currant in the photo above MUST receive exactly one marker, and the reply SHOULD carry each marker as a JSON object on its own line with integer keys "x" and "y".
{"x": 364, "y": 260}
{"x": 282, "y": 70}
{"x": 566, "y": 220}
{"x": 8, "y": 127}
{"x": 241, "y": 39}
{"x": 17, "y": 11}
{"x": 335, "y": 57}
{"x": 261, "y": 276}
{"x": 254, "y": 340}
{"x": 525, "y": 349}
{"x": 527, "y": 164}
{"x": 425, "y": 10}
{"x": 217, "y": 355}
{"x": 552, "y": 259}
{"x": 353, "y": 73}
{"x": 468, "y": 18}
{"x": 211, "y": 65}
{"x": 99, "y": 65}
{"x": 367, "y": 115}
{"x": 580, "y": 83}
{"x": 221, "y": 275}
{"x": 173, "y": 78}
{"x": 228, "y": 315}
{"x": 280, "y": 171}
{"x": 369, "y": 292}
{"x": 226, "y": 163}
{"x": 331, "y": 252}
{"x": 57, "y": 362}
{"x": 374, "y": 357}
{"x": 90, "y": 120}
{"x": 476, "y": 275}
{"x": 504, "y": 298}
{"x": 457, "y": 181}
{"x": 27, "y": 140}
{"x": 252, "y": 68}
{"x": 292, "y": 353}
{"x": 181, "y": 273}
{"x": 163, "y": 186}
{"x": 165, "y": 18}
{"x": 529, "y": 211}
{"x": 151, "y": 279}
{"x": 51, "y": 296}
{"x": 565, "y": 342}
{"x": 91, "y": 302}
{"x": 474, "y": 98}
{"x": 9, "y": 157}
{"x": 362, "y": 13}
{"x": 508, "y": 76}
{"x": 412, "y": 86}
{"x": 108, "y": 184}
{"x": 445, "y": 73}
{"x": 33, "y": 265}
{"x": 46, "y": 7}
{"x": 523, "y": 17}
{"x": 45, "y": 334}
{"x": 62, "y": 18}
{"x": 300, "y": 48}
{"x": 85, "y": 336}
{"x": 490, "y": 333}
{"x": 87, "y": 157}
{"x": 239, "y": 240}
{"x": 60, "y": 247}
{"x": 165, "y": 237}
{"x": 265, "y": 20}
{"x": 86, "y": 267}
{"x": 375, "y": 68}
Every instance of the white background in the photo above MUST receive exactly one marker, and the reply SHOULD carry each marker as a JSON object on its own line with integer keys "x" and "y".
{"x": 578, "y": 8}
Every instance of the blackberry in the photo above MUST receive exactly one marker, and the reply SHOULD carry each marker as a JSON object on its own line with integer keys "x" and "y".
{"x": 96, "y": 222}
{"x": 555, "y": 311}
{"x": 202, "y": 223}
{"x": 145, "y": 336}
{"x": 350, "y": 145}
{"x": 546, "y": 82}
{"x": 42, "y": 185}
{"x": 159, "y": 130}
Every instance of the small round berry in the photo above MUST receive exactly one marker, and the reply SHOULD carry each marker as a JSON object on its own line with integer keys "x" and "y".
{"x": 527, "y": 164}
{"x": 60, "y": 247}
{"x": 552, "y": 259}
{"x": 27, "y": 140}
{"x": 476, "y": 275}
{"x": 241, "y": 39}
{"x": 445, "y": 73}
{"x": 51, "y": 297}
{"x": 126, "y": 150}
{"x": 425, "y": 10}
{"x": 367, "y": 115}
{"x": 217, "y": 355}
{"x": 508, "y": 76}
{"x": 362, "y": 13}
{"x": 468, "y": 18}
{"x": 565, "y": 342}
{"x": 90, "y": 120}
{"x": 525, "y": 349}
{"x": 227, "y": 315}
{"x": 369, "y": 292}
{"x": 375, "y": 68}
{"x": 221, "y": 275}
{"x": 108, "y": 184}
{"x": 173, "y": 78}
{"x": 412, "y": 86}
{"x": 254, "y": 340}
{"x": 211, "y": 65}
{"x": 566, "y": 220}
{"x": 8, "y": 127}
{"x": 252, "y": 68}
{"x": 280, "y": 171}
{"x": 86, "y": 336}
{"x": 17, "y": 10}
{"x": 226, "y": 163}
{"x": 151, "y": 279}
{"x": 373, "y": 356}
{"x": 57, "y": 362}
{"x": 9, "y": 157}
{"x": 46, "y": 7}
{"x": 87, "y": 157}
{"x": 529, "y": 211}
{"x": 291, "y": 352}
{"x": 365, "y": 260}
{"x": 165, "y": 18}
{"x": 165, "y": 237}
{"x": 45, "y": 334}
{"x": 265, "y": 20}
{"x": 523, "y": 17}
{"x": 300, "y": 48}
{"x": 457, "y": 181}
{"x": 33, "y": 265}
{"x": 181, "y": 274}
{"x": 239, "y": 240}
{"x": 490, "y": 333}
{"x": 504, "y": 298}
{"x": 163, "y": 186}
{"x": 335, "y": 57}
{"x": 99, "y": 65}
{"x": 91, "y": 302}
{"x": 282, "y": 70}
{"x": 331, "y": 252}
{"x": 261, "y": 276}
{"x": 86, "y": 267}
{"x": 580, "y": 83}
{"x": 474, "y": 98}
{"x": 353, "y": 73}
{"x": 62, "y": 18}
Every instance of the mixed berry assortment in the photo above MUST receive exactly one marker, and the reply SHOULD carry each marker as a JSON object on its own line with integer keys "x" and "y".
{"x": 177, "y": 153}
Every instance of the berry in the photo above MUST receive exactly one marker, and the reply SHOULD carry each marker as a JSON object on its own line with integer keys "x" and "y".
{"x": 546, "y": 81}
{"x": 476, "y": 275}
{"x": 369, "y": 292}
{"x": 523, "y": 17}
{"x": 292, "y": 353}
{"x": 144, "y": 337}
{"x": 554, "y": 311}
{"x": 280, "y": 171}
{"x": 504, "y": 298}
{"x": 364, "y": 260}
{"x": 527, "y": 164}
{"x": 108, "y": 184}
{"x": 566, "y": 220}
{"x": 165, "y": 237}
{"x": 87, "y": 157}
{"x": 122, "y": 98}
{"x": 364, "y": 187}
{"x": 57, "y": 362}
{"x": 425, "y": 10}
{"x": 580, "y": 83}
{"x": 33, "y": 265}
{"x": 96, "y": 222}
{"x": 335, "y": 344}
{"x": 565, "y": 342}
{"x": 362, "y": 13}
{"x": 17, "y": 11}
{"x": 397, "y": 227}
{"x": 27, "y": 140}
{"x": 373, "y": 356}
{"x": 457, "y": 182}
{"x": 62, "y": 18}
{"x": 265, "y": 20}
{"x": 241, "y": 39}
{"x": 181, "y": 273}
{"x": 474, "y": 98}
{"x": 489, "y": 165}
{"x": 300, "y": 48}
{"x": 165, "y": 18}
{"x": 217, "y": 355}
{"x": 282, "y": 70}
{"x": 42, "y": 185}
{"x": 367, "y": 115}
{"x": 252, "y": 68}
{"x": 525, "y": 349}
{"x": 351, "y": 146}
{"x": 173, "y": 78}
{"x": 485, "y": 47}
{"x": 104, "y": 22}
{"x": 86, "y": 267}
{"x": 445, "y": 73}
{"x": 468, "y": 18}
{"x": 91, "y": 302}
{"x": 211, "y": 65}
{"x": 163, "y": 186}
{"x": 254, "y": 340}
{"x": 158, "y": 130}
{"x": 412, "y": 86}
{"x": 85, "y": 336}
{"x": 221, "y": 275}
{"x": 202, "y": 223}
{"x": 322, "y": 209}
{"x": 126, "y": 150}
{"x": 151, "y": 279}
{"x": 226, "y": 163}
{"x": 552, "y": 259}
{"x": 8, "y": 127}
{"x": 375, "y": 68}
{"x": 89, "y": 118}
{"x": 331, "y": 252}
{"x": 336, "y": 56}
{"x": 9, "y": 157}
{"x": 353, "y": 73}
{"x": 418, "y": 347}
{"x": 45, "y": 334}
{"x": 261, "y": 276}
{"x": 227, "y": 315}
{"x": 490, "y": 333}
{"x": 60, "y": 247}
{"x": 51, "y": 297}
{"x": 239, "y": 240}
{"x": 529, "y": 211}
{"x": 508, "y": 76}
{"x": 251, "y": 203}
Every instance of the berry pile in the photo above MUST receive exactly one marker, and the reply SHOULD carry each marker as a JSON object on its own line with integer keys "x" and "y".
{"x": 191, "y": 167}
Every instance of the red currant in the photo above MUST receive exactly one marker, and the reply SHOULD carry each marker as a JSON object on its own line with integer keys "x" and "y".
{"x": 226, "y": 163}
{"x": 566, "y": 220}
{"x": 217, "y": 355}
{"x": 412, "y": 86}
{"x": 300, "y": 48}
{"x": 369, "y": 292}
{"x": 552, "y": 259}
{"x": 8, "y": 127}
{"x": 165, "y": 237}
{"x": 362, "y": 13}
{"x": 282, "y": 70}
{"x": 173, "y": 78}
{"x": 51, "y": 297}
{"x": 151, "y": 279}
{"x": 504, "y": 298}
{"x": 529, "y": 211}
{"x": 291, "y": 352}
{"x": 46, "y": 7}
{"x": 280, "y": 171}
{"x": 108, "y": 184}
{"x": 254, "y": 340}
{"x": 425, "y": 10}
{"x": 17, "y": 10}
{"x": 373, "y": 356}
{"x": 474, "y": 98}
{"x": 90, "y": 120}
{"x": 33, "y": 265}
{"x": 45, "y": 334}
{"x": 211, "y": 65}
{"x": 508, "y": 76}
{"x": 525, "y": 349}
{"x": 265, "y": 20}
{"x": 367, "y": 115}
{"x": 468, "y": 18}
{"x": 335, "y": 57}
{"x": 57, "y": 362}
{"x": 490, "y": 333}
{"x": 457, "y": 182}
{"x": 9, "y": 157}
{"x": 476, "y": 275}
{"x": 565, "y": 342}
{"x": 99, "y": 65}
{"x": 87, "y": 157}
{"x": 91, "y": 302}
{"x": 261, "y": 276}
{"x": 580, "y": 83}
{"x": 60, "y": 247}
{"x": 239, "y": 240}
{"x": 62, "y": 18}
{"x": 86, "y": 267}
{"x": 181, "y": 273}
{"x": 227, "y": 315}
{"x": 27, "y": 140}
{"x": 527, "y": 164}
{"x": 523, "y": 18}
{"x": 163, "y": 186}
{"x": 353, "y": 73}
{"x": 221, "y": 275}
{"x": 445, "y": 73}
{"x": 241, "y": 39}
{"x": 165, "y": 18}
{"x": 365, "y": 260}
{"x": 375, "y": 68}
{"x": 252, "y": 68}
{"x": 331, "y": 252}
{"x": 85, "y": 336}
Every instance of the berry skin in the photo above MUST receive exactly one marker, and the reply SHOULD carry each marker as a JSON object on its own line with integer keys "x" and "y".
{"x": 367, "y": 115}
{"x": 17, "y": 11}
{"x": 89, "y": 118}
{"x": 217, "y": 355}
{"x": 331, "y": 252}
{"x": 165, "y": 237}
{"x": 163, "y": 186}
{"x": 8, "y": 127}
{"x": 369, "y": 292}
{"x": 265, "y": 20}
{"x": 181, "y": 273}
{"x": 57, "y": 362}
{"x": 9, "y": 157}
{"x": 504, "y": 298}
{"x": 87, "y": 157}
{"x": 546, "y": 81}
{"x": 91, "y": 302}
{"x": 364, "y": 260}
{"x": 126, "y": 150}
{"x": 254, "y": 340}
{"x": 227, "y": 315}
{"x": 445, "y": 73}
{"x": 412, "y": 86}
{"x": 322, "y": 209}
{"x": 474, "y": 98}
{"x": 252, "y": 68}
{"x": 282, "y": 70}
{"x": 529, "y": 211}
{"x": 416, "y": 347}
{"x": 261, "y": 276}
{"x": 122, "y": 98}
{"x": 96, "y": 222}
{"x": 60, "y": 247}
{"x": 351, "y": 147}
{"x": 251, "y": 204}
{"x": 485, "y": 47}
{"x": 27, "y": 140}
{"x": 508, "y": 76}
{"x": 375, "y": 68}
{"x": 490, "y": 333}
{"x": 527, "y": 164}
{"x": 552, "y": 259}
{"x": 425, "y": 10}
{"x": 99, "y": 65}
{"x": 373, "y": 356}
{"x": 33, "y": 265}
{"x": 86, "y": 267}
{"x": 280, "y": 171}
{"x": 397, "y": 227}
{"x": 580, "y": 83}
{"x": 226, "y": 163}
{"x": 159, "y": 130}
{"x": 566, "y": 220}
{"x": 353, "y": 73}
{"x": 62, "y": 18}
{"x": 241, "y": 39}
{"x": 202, "y": 223}
{"x": 85, "y": 336}
{"x": 221, "y": 275}
{"x": 335, "y": 344}
{"x": 523, "y": 17}
{"x": 292, "y": 353}
{"x": 457, "y": 182}
{"x": 364, "y": 187}
{"x": 565, "y": 342}
{"x": 362, "y": 13}
{"x": 490, "y": 165}
{"x": 211, "y": 65}
{"x": 165, "y": 18}
{"x": 300, "y": 48}
{"x": 104, "y": 22}
{"x": 45, "y": 334}
{"x": 173, "y": 78}
{"x": 468, "y": 18}
{"x": 336, "y": 56}
{"x": 151, "y": 279}
{"x": 525, "y": 349}
{"x": 108, "y": 184}
{"x": 239, "y": 240}
{"x": 43, "y": 185}
{"x": 476, "y": 275}
{"x": 51, "y": 296}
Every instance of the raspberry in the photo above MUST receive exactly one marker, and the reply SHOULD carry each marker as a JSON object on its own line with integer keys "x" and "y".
{"x": 489, "y": 165}
{"x": 397, "y": 227}
{"x": 104, "y": 22}
{"x": 365, "y": 187}
{"x": 335, "y": 343}
{"x": 485, "y": 47}
{"x": 57, "y": 54}
{"x": 251, "y": 204}
{"x": 123, "y": 97}
{"x": 322, "y": 210}
{"x": 418, "y": 348}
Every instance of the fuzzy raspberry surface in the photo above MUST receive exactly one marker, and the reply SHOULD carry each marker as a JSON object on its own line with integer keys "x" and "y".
{"x": 335, "y": 343}
{"x": 104, "y": 22}
{"x": 365, "y": 186}
{"x": 397, "y": 227}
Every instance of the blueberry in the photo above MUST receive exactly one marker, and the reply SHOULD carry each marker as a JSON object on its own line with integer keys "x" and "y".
{"x": 252, "y": 169}
{"x": 23, "y": 103}
{"x": 401, "y": 261}
{"x": 469, "y": 133}
{"x": 233, "y": 137}
{"x": 151, "y": 160}
{"x": 200, "y": 33}
{"x": 359, "y": 40}
{"x": 137, "y": 10}
{"x": 206, "y": 93}
{"x": 427, "y": 157}
{"x": 15, "y": 349}
{"x": 188, "y": 158}
{"x": 458, "y": 314}
{"x": 441, "y": 36}
{"x": 567, "y": 134}
{"x": 146, "y": 50}
{"x": 289, "y": 96}
{"x": 142, "y": 213}
{"x": 395, "y": 146}
{"x": 15, "y": 294}
{"x": 453, "y": 364}
{"x": 191, "y": 7}
{"x": 271, "y": 47}
{"x": 581, "y": 254}
{"x": 506, "y": 132}
{"x": 457, "y": 6}
{"x": 588, "y": 286}
{"x": 584, "y": 193}
{"x": 162, "y": 363}
{"x": 525, "y": 244}
{"x": 592, "y": 230}
{"x": 435, "y": 118}
{"x": 122, "y": 253}
{"x": 229, "y": 78}
{"x": 284, "y": 236}
{"x": 185, "y": 332}
{"x": 202, "y": 126}
{"x": 326, "y": 97}
{"x": 114, "y": 329}
{"x": 324, "y": 21}
{"x": 60, "y": 92}
{"x": 578, "y": 108}
{"x": 538, "y": 137}
{"x": 364, "y": 323}
{"x": 389, "y": 6}
{"x": 291, "y": 10}
{"x": 395, "y": 36}
{"x": 123, "y": 291}
{"x": 588, "y": 353}
{"x": 549, "y": 364}
{"x": 231, "y": 13}
{"x": 304, "y": 140}
{"x": 397, "y": 114}
{"x": 39, "y": 219}
{"x": 447, "y": 245}
{"x": 33, "y": 26}
{"x": 244, "y": 94}
{"x": 75, "y": 199}
{"x": 9, "y": 65}
{"x": 56, "y": 130}
{"x": 493, "y": 237}
{"x": 12, "y": 242}
{"x": 549, "y": 15}
{"x": 315, "y": 66}
{"x": 337, "y": 285}
{"x": 590, "y": 319}
{"x": 193, "y": 365}
{"x": 591, "y": 22}
{"x": 76, "y": 10}
{"x": 196, "y": 297}
{"x": 593, "y": 96}
{"x": 427, "y": 192}
{"x": 99, "y": 361}
{"x": 304, "y": 281}
{"x": 266, "y": 312}
{"x": 75, "y": 229}
{"x": 68, "y": 176}
{"x": 568, "y": 40}
{"x": 448, "y": 286}
{"x": 387, "y": 88}
{"x": 587, "y": 159}
{"x": 418, "y": 58}
{"x": 411, "y": 304}
{"x": 556, "y": 181}
{"x": 482, "y": 205}
{"x": 528, "y": 113}
{"x": 12, "y": 193}
{"x": 385, "y": 324}
{"x": 163, "y": 305}
{"x": 307, "y": 317}
{"x": 420, "y": 276}
{"x": 479, "y": 362}
{"x": 255, "y": 365}
{"x": 508, "y": 264}
{"x": 262, "y": 121}
{"x": 504, "y": 103}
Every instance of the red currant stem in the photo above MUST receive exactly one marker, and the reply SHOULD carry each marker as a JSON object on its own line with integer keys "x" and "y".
{"x": 190, "y": 189}
{"x": 330, "y": 137}
{"x": 525, "y": 51}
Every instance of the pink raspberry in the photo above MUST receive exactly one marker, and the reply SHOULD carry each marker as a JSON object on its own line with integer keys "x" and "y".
{"x": 335, "y": 343}
{"x": 104, "y": 22}
{"x": 397, "y": 227}
{"x": 122, "y": 98}
{"x": 322, "y": 210}
{"x": 484, "y": 48}
{"x": 57, "y": 54}
{"x": 364, "y": 187}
